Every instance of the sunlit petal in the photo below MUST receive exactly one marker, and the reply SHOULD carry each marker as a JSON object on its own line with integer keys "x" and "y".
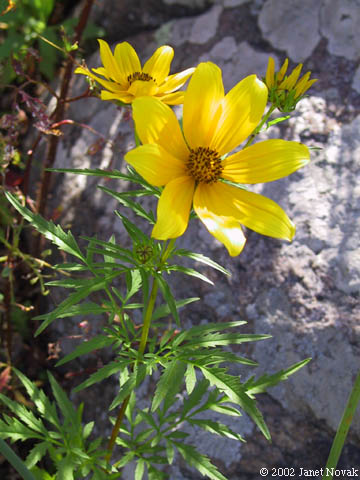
{"x": 158, "y": 65}
{"x": 242, "y": 110}
{"x": 174, "y": 208}
{"x": 122, "y": 96}
{"x": 127, "y": 59}
{"x": 173, "y": 82}
{"x": 265, "y": 161}
{"x": 101, "y": 71}
{"x": 141, "y": 88}
{"x": 109, "y": 62}
{"x": 156, "y": 123}
{"x": 155, "y": 164}
{"x": 175, "y": 98}
{"x": 202, "y": 105}
{"x": 270, "y": 73}
{"x": 112, "y": 86}
{"x": 224, "y": 228}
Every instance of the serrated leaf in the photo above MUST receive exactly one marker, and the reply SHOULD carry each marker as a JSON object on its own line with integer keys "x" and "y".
{"x": 199, "y": 461}
{"x": 149, "y": 419}
{"x": 15, "y": 430}
{"x": 104, "y": 372}
{"x": 215, "y": 339}
{"x": 66, "y": 407}
{"x": 134, "y": 380}
{"x": 66, "y": 468}
{"x": 170, "y": 383}
{"x": 36, "y": 454}
{"x": 232, "y": 387}
{"x": 266, "y": 381}
{"x": 134, "y": 206}
{"x": 189, "y": 271}
{"x": 225, "y": 410}
{"x": 195, "y": 397}
{"x": 168, "y": 297}
{"x": 164, "y": 310}
{"x": 24, "y": 414}
{"x": 216, "y": 428}
{"x": 96, "y": 343}
{"x": 65, "y": 241}
{"x": 133, "y": 281}
{"x": 92, "y": 286}
{"x": 43, "y": 404}
{"x": 170, "y": 452}
{"x": 202, "y": 259}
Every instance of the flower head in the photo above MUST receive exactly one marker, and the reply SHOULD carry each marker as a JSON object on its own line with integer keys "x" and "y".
{"x": 192, "y": 167}
{"x": 286, "y": 91}
{"x": 125, "y": 79}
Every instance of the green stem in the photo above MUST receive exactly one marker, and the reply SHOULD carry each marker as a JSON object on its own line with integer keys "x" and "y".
{"x": 142, "y": 346}
{"x": 343, "y": 429}
{"x": 259, "y": 127}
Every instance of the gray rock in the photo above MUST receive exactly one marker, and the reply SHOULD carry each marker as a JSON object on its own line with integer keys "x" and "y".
{"x": 205, "y": 26}
{"x": 234, "y": 3}
{"x": 292, "y": 26}
{"x": 356, "y": 80}
{"x": 339, "y": 20}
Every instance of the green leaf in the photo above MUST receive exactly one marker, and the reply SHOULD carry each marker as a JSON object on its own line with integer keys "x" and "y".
{"x": 134, "y": 232}
{"x": 134, "y": 380}
{"x": 190, "y": 378}
{"x": 170, "y": 383}
{"x": 66, "y": 407}
{"x": 189, "y": 271}
{"x": 104, "y": 372}
{"x": 139, "y": 471}
{"x": 134, "y": 206}
{"x": 195, "y": 397}
{"x": 133, "y": 282}
{"x": 36, "y": 454}
{"x": 261, "y": 385}
{"x": 215, "y": 339}
{"x": 65, "y": 241}
{"x": 66, "y": 468}
{"x": 92, "y": 286}
{"x": 164, "y": 310}
{"x": 15, "y": 430}
{"x": 168, "y": 297}
{"x": 96, "y": 343}
{"x": 43, "y": 404}
{"x": 232, "y": 387}
{"x": 25, "y": 415}
{"x": 15, "y": 461}
{"x": 202, "y": 259}
{"x": 216, "y": 428}
{"x": 199, "y": 461}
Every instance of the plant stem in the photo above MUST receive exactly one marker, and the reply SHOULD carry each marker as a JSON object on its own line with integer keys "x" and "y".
{"x": 142, "y": 346}
{"x": 343, "y": 429}
{"x": 258, "y": 128}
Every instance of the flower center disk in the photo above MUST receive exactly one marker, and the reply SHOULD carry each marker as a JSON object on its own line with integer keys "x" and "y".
{"x": 204, "y": 165}
{"x": 145, "y": 77}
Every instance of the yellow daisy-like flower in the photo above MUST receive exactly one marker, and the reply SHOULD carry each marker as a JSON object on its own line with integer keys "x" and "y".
{"x": 191, "y": 166}
{"x": 125, "y": 79}
{"x": 286, "y": 91}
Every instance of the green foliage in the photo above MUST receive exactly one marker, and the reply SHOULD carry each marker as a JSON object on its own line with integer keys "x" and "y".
{"x": 27, "y": 25}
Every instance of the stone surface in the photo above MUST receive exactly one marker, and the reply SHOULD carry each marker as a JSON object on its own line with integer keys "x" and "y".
{"x": 339, "y": 21}
{"x": 291, "y": 26}
{"x": 205, "y": 26}
{"x": 305, "y": 294}
{"x": 356, "y": 81}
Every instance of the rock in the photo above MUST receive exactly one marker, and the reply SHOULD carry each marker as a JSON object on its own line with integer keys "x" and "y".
{"x": 291, "y": 26}
{"x": 356, "y": 81}
{"x": 205, "y": 26}
{"x": 339, "y": 22}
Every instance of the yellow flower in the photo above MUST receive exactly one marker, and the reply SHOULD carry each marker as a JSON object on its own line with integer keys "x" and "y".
{"x": 191, "y": 166}
{"x": 286, "y": 91}
{"x": 125, "y": 79}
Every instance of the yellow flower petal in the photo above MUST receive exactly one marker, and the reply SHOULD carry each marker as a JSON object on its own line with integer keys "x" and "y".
{"x": 101, "y": 71}
{"x": 155, "y": 164}
{"x": 265, "y": 161}
{"x": 141, "y": 88}
{"x": 226, "y": 229}
{"x": 158, "y": 65}
{"x": 202, "y": 104}
{"x": 251, "y": 209}
{"x": 156, "y": 123}
{"x": 175, "y": 98}
{"x": 282, "y": 70}
{"x": 242, "y": 110}
{"x": 109, "y": 62}
{"x": 127, "y": 59}
{"x": 174, "y": 208}
{"x": 122, "y": 96}
{"x": 173, "y": 82}
{"x": 291, "y": 80}
{"x": 270, "y": 73}
{"x": 112, "y": 86}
